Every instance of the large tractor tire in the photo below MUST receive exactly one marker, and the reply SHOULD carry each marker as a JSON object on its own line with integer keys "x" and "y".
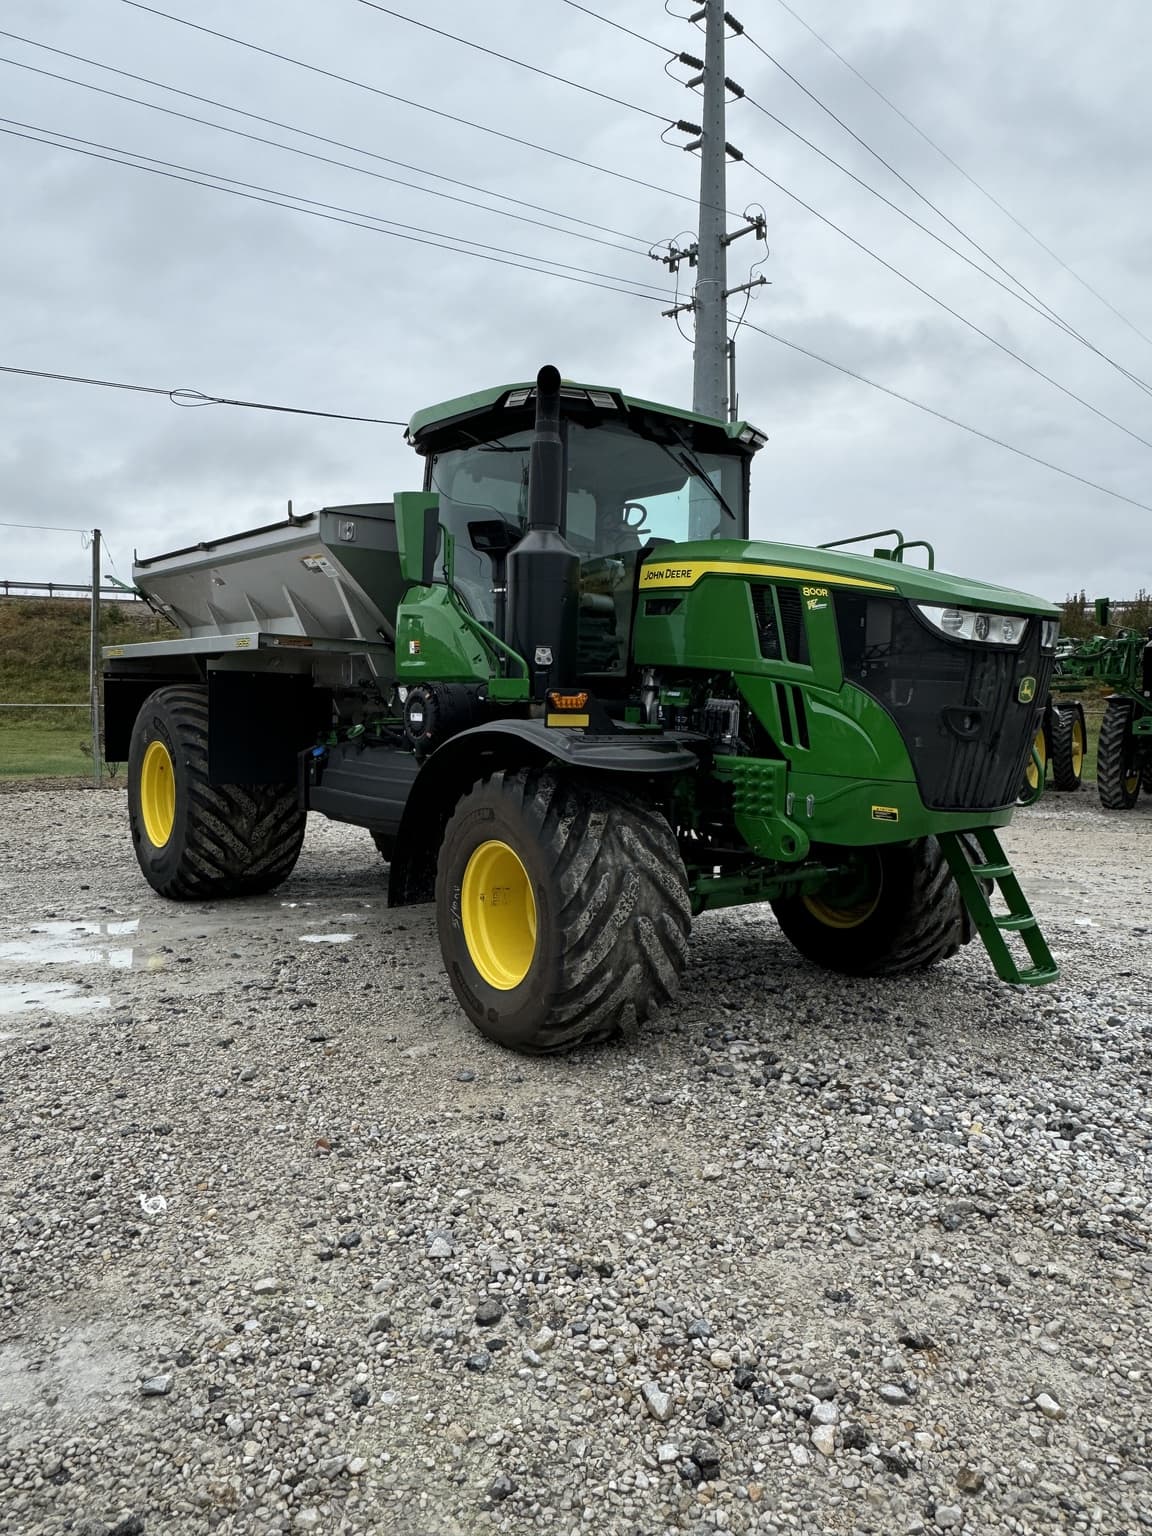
{"x": 1069, "y": 746}
{"x": 385, "y": 845}
{"x": 197, "y": 841}
{"x": 895, "y": 909}
{"x": 1118, "y": 768}
{"x": 563, "y": 910}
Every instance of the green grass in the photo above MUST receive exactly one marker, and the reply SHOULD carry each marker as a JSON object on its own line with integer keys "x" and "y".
{"x": 44, "y": 659}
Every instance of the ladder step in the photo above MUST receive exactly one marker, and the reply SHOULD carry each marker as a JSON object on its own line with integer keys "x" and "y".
{"x": 991, "y": 871}
{"x": 1016, "y": 922}
{"x": 1038, "y": 975}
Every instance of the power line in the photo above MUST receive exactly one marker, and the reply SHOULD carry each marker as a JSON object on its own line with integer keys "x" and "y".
{"x": 947, "y": 308}
{"x": 953, "y": 421}
{"x": 44, "y": 528}
{"x": 1041, "y": 308}
{"x": 420, "y": 106}
{"x": 321, "y": 138}
{"x": 333, "y": 218}
{"x": 185, "y": 397}
{"x": 1026, "y": 296}
{"x": 620, "y": 27}
{"x": 956, "y": 166}
{"x": 494, "y": 53}
{"x": 360, "y": 213}
{"x": 1051, "y": 313}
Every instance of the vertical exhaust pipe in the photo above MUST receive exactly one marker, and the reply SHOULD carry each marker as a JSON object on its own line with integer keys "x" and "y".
{"x": 543, "y": 573}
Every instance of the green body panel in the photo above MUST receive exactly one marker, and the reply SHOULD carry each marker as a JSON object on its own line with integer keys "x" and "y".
{"x": 485, "y": 400}
{"x": 856, "y": 572}
{"x": 434, "y": 644}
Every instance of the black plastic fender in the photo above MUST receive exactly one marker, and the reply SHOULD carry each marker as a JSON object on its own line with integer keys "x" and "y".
{"x": 473, "y": 754}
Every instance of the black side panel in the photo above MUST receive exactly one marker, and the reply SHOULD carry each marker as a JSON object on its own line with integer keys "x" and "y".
{"x": 366, "y": 785}
{"x": 124, "y": 699}
{"x": 259, "y": 723}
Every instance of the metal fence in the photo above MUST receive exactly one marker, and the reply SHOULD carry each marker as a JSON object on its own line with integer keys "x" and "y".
{"x": 94, "y": 591}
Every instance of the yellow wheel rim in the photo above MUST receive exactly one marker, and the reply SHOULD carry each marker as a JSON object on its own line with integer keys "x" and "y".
{"x": 857, "y": 906}
{"x": 498, "y": 911}
{"x": 1078, "y": 745}
{"x": 158, "y": 793}
{"x": 1132, "y": 783}
{"x": 1031, "y": 773}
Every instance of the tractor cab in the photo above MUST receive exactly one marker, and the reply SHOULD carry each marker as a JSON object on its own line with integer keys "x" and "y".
{"x": 636, "y": 476}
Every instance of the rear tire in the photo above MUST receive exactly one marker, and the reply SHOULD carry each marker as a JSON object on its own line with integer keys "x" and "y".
{"x": 194, "y": 840}
{"x": 562, "y": 909}
{"x": 1118, "y": 770}
{"x": 904, "y": 912}
{"x": 1069, "y": 746}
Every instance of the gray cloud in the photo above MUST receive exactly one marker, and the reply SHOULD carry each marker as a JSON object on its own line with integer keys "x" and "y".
{"x": 113, "y": 272}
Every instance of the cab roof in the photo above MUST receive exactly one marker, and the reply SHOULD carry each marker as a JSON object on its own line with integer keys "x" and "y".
{"x": 604, "y": 397}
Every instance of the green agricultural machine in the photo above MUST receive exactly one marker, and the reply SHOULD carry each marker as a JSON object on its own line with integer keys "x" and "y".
{"x": 574, "y": 704}
{"x": 1120, "y": 662}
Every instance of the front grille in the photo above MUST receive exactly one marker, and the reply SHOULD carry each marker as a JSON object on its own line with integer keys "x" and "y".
{"x": 956, "y": 705}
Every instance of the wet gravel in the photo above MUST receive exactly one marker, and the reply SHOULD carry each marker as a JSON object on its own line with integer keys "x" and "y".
{"x": 288, "y": 1247}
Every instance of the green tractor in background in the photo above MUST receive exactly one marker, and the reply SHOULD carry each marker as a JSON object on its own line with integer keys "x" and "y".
{"x": 1120, "y": 662}
{"x": 575, "y": 705}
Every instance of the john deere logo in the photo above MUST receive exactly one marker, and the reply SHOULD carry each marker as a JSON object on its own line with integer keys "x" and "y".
{"x": 1027, "y": 690}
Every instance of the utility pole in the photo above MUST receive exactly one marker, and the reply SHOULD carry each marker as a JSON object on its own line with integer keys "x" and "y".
{"x": 94, "y": 661}
{"x": 714, "y": 357}
{"x": 710, "y": 365}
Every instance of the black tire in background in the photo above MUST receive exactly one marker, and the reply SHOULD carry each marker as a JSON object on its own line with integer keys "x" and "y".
{"x": 899, "y": 910}
{"x": 223, "y": 839}
{"x": 385, "y": 845}
{"x": 1069, "y": 743}
{"x": 587, "y": 897}
{"x": 1118, "y": 771}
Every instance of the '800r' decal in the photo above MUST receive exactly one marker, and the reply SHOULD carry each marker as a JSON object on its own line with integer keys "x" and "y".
{"x": 689, "y": 572}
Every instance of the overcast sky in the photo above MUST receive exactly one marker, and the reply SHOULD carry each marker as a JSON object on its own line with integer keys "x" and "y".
{"x": 112, "y": 272}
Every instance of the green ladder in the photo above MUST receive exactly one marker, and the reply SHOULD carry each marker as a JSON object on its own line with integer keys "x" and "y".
{"x": 973, "y": 880}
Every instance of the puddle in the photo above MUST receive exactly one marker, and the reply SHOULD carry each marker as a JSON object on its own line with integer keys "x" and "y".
{"x": 68, "y": 943}
{"x": 17, "y": 997}
{"x": 326, "y": 938}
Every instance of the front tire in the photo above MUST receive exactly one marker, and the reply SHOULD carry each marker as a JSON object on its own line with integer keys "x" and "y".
{"x": 562, "y": 909}
{"x": 896, "y": 909}
{"x": 197, "y": 841}
{"x": 1118, "y": 770}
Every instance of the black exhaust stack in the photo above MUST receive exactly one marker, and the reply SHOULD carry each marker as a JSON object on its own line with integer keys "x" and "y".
{"x": 543, "y": 573}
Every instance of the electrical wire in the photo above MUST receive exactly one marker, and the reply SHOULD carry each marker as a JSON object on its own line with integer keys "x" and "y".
{"x": 185, "y": 397}
{"x": 44, "y": 528}
{"x": 359, "y": 213}
{"x": 420, "y": 106}
{"x": 953, "y": 421}
{"x": 1040, "y": 307}
{"x": 494, "y": 53}
{"x": 620, "y": 27}
{"x": 333, "y": 218}
{"x": 947, "y": 308}
{"x": 956, "y": 166}
{"x": 321, "y": 138}
{"x": 1025, "y": 296}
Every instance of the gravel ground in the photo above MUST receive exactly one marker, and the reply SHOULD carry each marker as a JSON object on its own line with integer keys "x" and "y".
{"x": 288, "y": 1247}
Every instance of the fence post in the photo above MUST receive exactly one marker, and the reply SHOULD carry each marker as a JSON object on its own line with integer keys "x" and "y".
{"x": 94, "y": 660}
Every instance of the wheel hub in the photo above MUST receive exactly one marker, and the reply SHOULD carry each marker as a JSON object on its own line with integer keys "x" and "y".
{"x": 158, "y": 793}
{"x": 498, "y": 912}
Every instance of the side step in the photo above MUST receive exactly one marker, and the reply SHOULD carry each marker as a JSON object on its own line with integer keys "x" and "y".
{"x": 991, "y": 926}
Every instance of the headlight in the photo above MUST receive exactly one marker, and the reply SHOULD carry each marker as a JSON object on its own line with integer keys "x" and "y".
{"x": 1049, "y": 630}
{"x": 968, "y": 624}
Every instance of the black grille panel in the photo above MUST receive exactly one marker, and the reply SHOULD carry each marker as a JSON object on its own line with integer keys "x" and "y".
{"x": 780, "y": 622}
{"x": 956, "y": 705}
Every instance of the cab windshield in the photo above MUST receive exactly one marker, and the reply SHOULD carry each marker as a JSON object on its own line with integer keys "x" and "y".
{"x": 626, "y": 491}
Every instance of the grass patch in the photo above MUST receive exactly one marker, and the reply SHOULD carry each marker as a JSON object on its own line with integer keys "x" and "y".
{"x": 44, "y": 660}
